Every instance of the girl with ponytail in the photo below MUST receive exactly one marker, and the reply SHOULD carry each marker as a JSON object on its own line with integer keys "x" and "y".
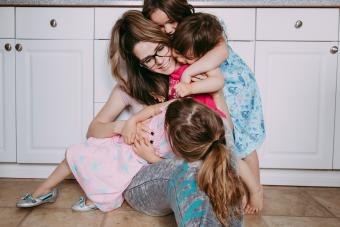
{"x": 196, "y": 134}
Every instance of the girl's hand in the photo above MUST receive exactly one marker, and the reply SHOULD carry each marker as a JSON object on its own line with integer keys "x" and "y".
{"x": 143, "y": 131}
{"x": 185, "y": 78}
{"x": 183, "y": 89}
{"x": 129, "y": 131}
{"x": 199, "y": 77}
{"x": 255, "y": 204}
{"x": 146, "y": 151}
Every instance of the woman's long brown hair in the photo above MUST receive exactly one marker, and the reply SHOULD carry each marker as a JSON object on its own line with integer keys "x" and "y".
{"x": 196, "y": 132}
{"x": 140, "y": 83}
{"x": 176, "y": 10}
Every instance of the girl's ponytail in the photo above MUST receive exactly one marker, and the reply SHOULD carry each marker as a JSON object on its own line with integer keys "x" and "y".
{"x": 217, "y": 178}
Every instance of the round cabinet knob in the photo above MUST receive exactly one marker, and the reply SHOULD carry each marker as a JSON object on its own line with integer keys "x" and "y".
{"x": 53, "y": 23}
{"x": 8, "y": 47}
{"x": 298, "y": 24}
{"x": 18, "y": 47}
{"x": 334, "y": 50}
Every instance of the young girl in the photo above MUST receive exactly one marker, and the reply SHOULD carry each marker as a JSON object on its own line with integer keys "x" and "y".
{"x": 240, "y": 89}
{"x": 197, "y": 135}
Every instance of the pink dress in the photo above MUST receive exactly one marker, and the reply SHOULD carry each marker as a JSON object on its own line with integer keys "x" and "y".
{"x": 105, "y": 167}
{"x": 206, "y": 99}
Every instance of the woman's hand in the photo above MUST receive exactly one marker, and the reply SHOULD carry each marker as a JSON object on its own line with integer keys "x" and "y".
{"x": 146, "y": 151}
{"x": 129, "y": 131}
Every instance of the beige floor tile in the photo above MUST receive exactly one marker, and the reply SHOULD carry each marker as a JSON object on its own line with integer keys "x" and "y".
{"x": 281, "y": 221}
{"x": 254, "y": 221}
{"x": 136, "y": 219}
{"x": 55, "y": 217}
{"x": 328, "y": 197}
{"x": 285, "y": 201}
{"x": 12, "y": 216}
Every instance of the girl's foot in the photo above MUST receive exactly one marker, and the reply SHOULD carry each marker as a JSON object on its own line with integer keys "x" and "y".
{"x": 29, "y": 201}
{"x": 81, "y": 205}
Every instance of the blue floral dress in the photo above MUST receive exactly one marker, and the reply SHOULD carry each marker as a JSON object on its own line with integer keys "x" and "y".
{"x": 244, "y": 102}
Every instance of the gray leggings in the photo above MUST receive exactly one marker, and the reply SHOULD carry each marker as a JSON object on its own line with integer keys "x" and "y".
{"x": 170, "y": 186}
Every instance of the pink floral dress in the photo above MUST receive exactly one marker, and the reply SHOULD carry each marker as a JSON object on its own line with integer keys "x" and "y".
{"x": 105, "y": 167}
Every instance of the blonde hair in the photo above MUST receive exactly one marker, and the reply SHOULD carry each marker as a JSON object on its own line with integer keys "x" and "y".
{"x": 197, "y": 133}
{"x": 140, "y": 82}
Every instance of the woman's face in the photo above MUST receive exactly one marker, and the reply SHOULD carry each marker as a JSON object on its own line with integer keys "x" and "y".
{"x": 167, "y": 25}
{"x": 156, "y": 57}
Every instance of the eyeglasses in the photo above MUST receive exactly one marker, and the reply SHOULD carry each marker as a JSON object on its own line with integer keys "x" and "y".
{"x": 160, "y": 51}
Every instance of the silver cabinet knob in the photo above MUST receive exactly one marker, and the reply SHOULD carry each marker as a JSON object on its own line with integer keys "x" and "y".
{"x": 53, "y": 23}
{"x": 18, "y": 47}
{"x": 298, "y": 24}
{"x": 334, "y": 50}
{"x": 8, "y": 47}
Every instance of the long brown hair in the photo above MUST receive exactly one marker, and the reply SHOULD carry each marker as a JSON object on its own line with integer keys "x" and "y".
{"x": 140, "y": 83}
{"x": 176, "y": 10}
{"x": 196, "y": 132}
{"x": 198, "y": 34}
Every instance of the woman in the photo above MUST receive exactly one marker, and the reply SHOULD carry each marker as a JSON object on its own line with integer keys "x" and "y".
{"x": 148, "y": 190}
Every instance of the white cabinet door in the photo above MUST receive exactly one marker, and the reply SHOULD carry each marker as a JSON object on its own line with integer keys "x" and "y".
{"x": 7, "y": 101}
{"x": 297, "y": 81}
{"x": 103, "y": 80}
{"x": 54, "y": 97}
{"x": 336, "y": 156}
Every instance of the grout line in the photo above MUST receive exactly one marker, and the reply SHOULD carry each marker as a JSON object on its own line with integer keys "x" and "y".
{"x": 24, "y": 218}
{"x": 104, "y": 220}
{"x": 320, "y": 204}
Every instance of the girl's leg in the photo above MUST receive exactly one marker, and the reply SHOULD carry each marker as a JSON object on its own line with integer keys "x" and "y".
{"x": 59, "y": 174}
{"x": 253, "y": 162}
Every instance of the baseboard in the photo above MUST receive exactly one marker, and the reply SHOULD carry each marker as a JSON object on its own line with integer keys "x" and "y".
{"x": 323, "y": 178}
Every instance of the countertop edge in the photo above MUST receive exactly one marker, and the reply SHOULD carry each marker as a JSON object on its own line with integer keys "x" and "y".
{"x": 196, "y": 4}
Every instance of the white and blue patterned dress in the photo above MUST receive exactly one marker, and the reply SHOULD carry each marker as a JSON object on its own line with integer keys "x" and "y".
{"x": 244, "y": 102}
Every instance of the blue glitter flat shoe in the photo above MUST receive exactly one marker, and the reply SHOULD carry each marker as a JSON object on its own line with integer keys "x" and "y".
{"x": 29, "y": 201}
{"x": 81, "y": 206}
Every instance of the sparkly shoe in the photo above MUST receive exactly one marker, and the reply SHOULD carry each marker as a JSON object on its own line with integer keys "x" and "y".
{"x": 29, "y": 201}
{"x": 81, "y": 206}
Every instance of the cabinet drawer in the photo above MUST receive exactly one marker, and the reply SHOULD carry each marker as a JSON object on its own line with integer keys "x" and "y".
{"x": 105, "y": 18}
{"x": 240, "y": 23}
{"x": 7, "y": 22}
{"x": 297, "y": 24}
{"x": 55, "y": 23}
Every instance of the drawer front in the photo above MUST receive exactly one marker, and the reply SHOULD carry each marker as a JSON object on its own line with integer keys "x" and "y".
{"x": 240, "y": 23}
{"x": 55, "y": 23}
{"x": 297, "y": 24}
{"x": 106, "y": 18}
{"x": 7, "y": 22}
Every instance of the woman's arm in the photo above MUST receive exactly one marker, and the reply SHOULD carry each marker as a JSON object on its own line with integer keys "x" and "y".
{"x": 209, "y": 61}
{"x": 213, "y": 83}
{"x": 103, "y": 125}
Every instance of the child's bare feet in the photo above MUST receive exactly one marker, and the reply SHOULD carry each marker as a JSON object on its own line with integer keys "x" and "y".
{"x": 255, "y": 203}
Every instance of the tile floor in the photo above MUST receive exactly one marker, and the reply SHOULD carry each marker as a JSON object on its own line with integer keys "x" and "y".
{"x": 284, "y": 206}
